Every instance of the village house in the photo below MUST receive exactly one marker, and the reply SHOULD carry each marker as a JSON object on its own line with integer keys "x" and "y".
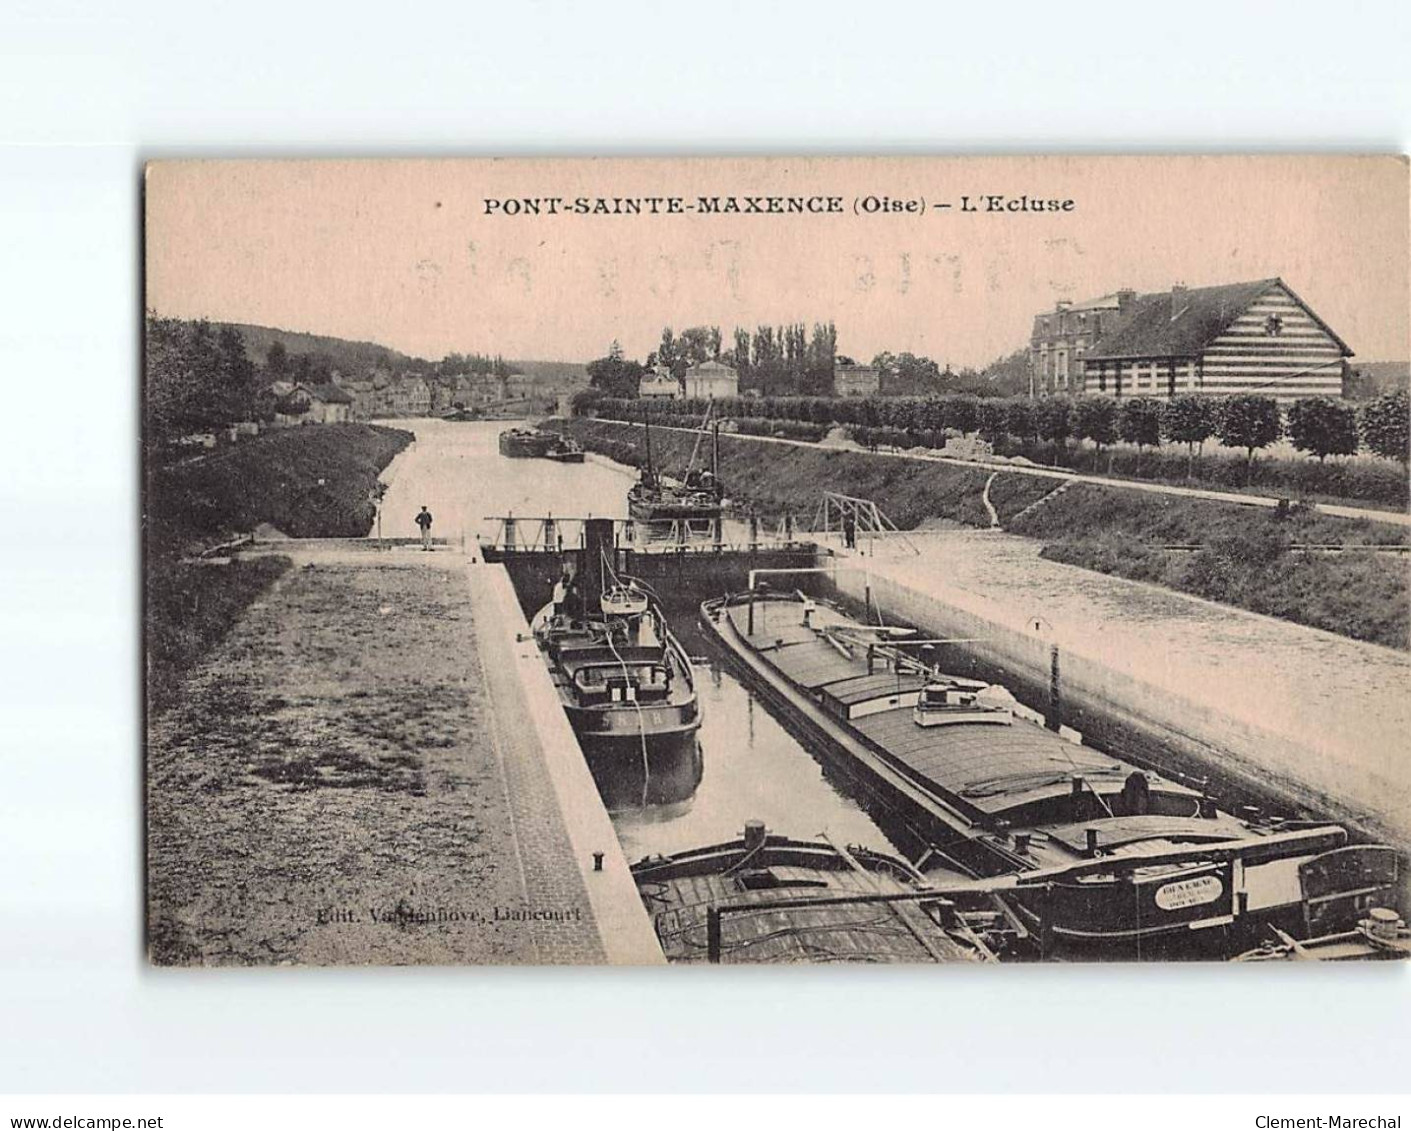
{"x": 1255, "y": 337}
{"x": 411, "y": 396}
{"x": 307, "y": 403}
{"x": 711, "y": 380}
{"x": 659, "y": 384}
{"x": 856, "y": 380}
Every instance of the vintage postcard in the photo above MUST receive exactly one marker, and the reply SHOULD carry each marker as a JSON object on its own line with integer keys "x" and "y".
{"x": 802, "y": 560}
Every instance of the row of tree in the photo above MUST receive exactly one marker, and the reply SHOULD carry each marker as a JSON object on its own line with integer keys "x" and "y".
{"x": 1317, "y": 425}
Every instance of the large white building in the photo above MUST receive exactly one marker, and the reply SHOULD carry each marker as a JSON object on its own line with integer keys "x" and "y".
{"x": 710, "y": 380}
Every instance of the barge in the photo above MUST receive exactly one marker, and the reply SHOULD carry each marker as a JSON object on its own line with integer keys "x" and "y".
{"x": 768, "y": 899}
{"x": 1089, "y": 850}
{"x": 699, "y": 497}
{"x": 531, "y": 443}
{"x": 625, "y": 682}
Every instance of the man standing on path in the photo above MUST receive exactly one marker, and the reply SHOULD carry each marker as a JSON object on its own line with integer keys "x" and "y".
{"x": 423, "y": 520}
{"x": 849, "y": 531}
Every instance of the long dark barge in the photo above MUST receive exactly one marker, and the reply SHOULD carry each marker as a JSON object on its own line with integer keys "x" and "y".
{"x": 530, "y": 443}
{"x": 1088, "y": 850}
{"x": 765, "y": 898}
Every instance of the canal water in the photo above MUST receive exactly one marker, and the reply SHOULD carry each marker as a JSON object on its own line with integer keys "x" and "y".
{"x": 750, "y": 767}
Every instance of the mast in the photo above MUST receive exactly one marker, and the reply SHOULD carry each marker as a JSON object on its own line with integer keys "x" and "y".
{"x": 715, "y": 451}
{"x": 647, "y": 424}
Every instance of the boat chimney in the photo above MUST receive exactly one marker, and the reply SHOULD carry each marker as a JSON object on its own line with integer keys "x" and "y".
{"x": 598, "y": 550}
{"x": 1077, "y": 785}
{"x": 755, "y": 832}
{"x": 1021, "y": 843}
{"x": 1092, "y": 841}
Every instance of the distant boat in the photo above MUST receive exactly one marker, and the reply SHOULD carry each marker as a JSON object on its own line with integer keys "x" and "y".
{"x": 565, "y": 451}
{"x": 462, "y": 415}
{"x": 769, "y": 899}
{"x": 525, "y": 443}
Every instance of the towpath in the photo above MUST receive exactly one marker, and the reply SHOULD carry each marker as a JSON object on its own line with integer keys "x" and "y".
{"x": 348, "y": 778}
{"x": 1327, "y": 713}
{"x": 1371, "y": 514}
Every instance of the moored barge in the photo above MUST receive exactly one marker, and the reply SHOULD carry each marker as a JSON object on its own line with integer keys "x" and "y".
{"x": 769, "y": 899}
{"x": 624, "y": 680}
{"x": 1091, "y": 850}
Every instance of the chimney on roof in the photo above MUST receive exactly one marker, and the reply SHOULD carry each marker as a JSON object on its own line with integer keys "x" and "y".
{"x": 1125, "y": 297}
{"x": 1180, "y": 300}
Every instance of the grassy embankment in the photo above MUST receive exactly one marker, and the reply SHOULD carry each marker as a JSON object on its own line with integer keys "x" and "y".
{"x": 776, "y": 478}
{"x": 307, "y": 482}
{"x": 1246, "y": 556}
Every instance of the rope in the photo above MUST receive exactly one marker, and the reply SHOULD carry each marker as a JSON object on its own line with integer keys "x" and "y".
{"x": 627, "y": 679}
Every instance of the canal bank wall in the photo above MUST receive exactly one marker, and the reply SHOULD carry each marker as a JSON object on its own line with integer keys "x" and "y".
{"x": 1290, "y": 769}
{"x": 553, "y": 797}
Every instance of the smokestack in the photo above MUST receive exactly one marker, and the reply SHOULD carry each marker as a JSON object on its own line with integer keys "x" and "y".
{"x": 1180, "y": 300}
{"x": 598, "y": 550}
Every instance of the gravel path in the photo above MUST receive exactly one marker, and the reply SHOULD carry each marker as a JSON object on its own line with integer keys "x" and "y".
{"x": 326, "y": 790}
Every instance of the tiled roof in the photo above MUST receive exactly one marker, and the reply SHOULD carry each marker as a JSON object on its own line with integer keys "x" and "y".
{"x": 1150, "y": 331}
{"x": 329, "y": 394}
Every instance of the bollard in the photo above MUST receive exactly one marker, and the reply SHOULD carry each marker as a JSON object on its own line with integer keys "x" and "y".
{"x": 1021, "y": 843}
{"x": 597, "y": 861}
{"x": 755, "y": 832}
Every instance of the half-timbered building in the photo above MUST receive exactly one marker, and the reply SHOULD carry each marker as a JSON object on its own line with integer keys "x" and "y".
{"x": 1256, "y": 337}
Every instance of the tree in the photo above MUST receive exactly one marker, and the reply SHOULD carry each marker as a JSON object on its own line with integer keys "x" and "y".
{"x": 615, "y": 375}
{"x": 1095, "y": 419}
{"x": 1140, "y": 423}
{"x": 1054, "y": 418}
{"x": 1385, "y": 425}
{"x": 1322, "y": 427}
{"x": 992, "y": 418}
{"x": 277, "y": 360}
{"x": 1019, "y": 419}
{"x": 1251, "y": 422}
{"x": 1190, "y": 420}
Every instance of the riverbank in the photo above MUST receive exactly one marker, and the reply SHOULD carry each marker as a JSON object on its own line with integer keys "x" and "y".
{"x": 316, "y": 481}
{"x": 1241, "y": 555}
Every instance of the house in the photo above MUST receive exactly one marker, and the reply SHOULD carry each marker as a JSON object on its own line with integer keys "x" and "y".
{"x": 658, "y": 384}
{"x": 1254, "y": 337}
{"x": 1061, "y": 338}
{"x": 328, "y": 404}
{"x": 411, "y": 396}
{"x": 308, "y": 403}
{"x": 710, "y": 380}
{"x": 856, "y": 380}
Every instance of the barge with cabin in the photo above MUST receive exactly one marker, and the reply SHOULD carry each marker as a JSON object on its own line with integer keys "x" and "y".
{"x": 1087, "y": 849}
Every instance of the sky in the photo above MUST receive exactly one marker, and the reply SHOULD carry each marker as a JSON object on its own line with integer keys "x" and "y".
{"x": 403, "y": 252}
